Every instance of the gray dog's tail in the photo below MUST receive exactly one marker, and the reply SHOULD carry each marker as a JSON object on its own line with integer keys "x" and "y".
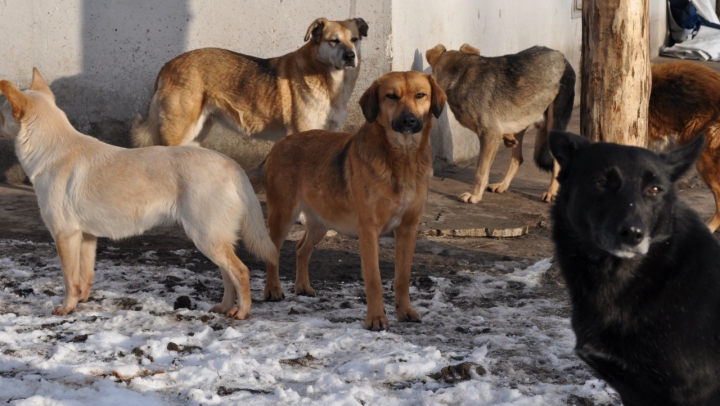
{"x": 257, "y": 177}
{"x": 557, "y": 117}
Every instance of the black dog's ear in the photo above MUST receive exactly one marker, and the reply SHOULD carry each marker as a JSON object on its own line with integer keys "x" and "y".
{"x": 682, "y": 159}
{"x": 563, "y": 145}
{"x": 369, "y": 102}
{"x": 362, "y": 27}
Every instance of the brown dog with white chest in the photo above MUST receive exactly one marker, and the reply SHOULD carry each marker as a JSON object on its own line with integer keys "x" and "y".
{"x": 303, "y": 90}
{"x": 363, "y": 184}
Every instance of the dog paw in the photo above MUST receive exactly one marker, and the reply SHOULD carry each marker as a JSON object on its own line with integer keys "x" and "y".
{"x": 408, "y": 315}
{"x": 233, "y": 312}
{"x": 377, "y": 323}
{"x": 273, "y": 294}
{"x": 548, "y": 197}
{"x": 62, "y": 310}
{"x": 497, "y": 188}
{"x": 305, "y": 291}
{"x": 469, "y": 198}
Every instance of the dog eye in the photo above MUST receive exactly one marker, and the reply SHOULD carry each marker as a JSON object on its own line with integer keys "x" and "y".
{"x": 600, "y": 183}
{"x": 653, "y": 190}
{"x": 392, "y": 96}
{"x": 420, "y": 95}
{"x": 334, "y": 41}
{"x": 353, "y": 40}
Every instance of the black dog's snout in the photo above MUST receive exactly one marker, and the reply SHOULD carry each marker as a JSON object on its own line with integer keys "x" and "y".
{"x": 631, "y": 233}
{"x": 349, "y": 56}
{"x": 407, "y": 123}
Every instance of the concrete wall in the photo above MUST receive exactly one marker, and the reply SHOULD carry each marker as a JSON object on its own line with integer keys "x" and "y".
{"x": 101, "y": 56}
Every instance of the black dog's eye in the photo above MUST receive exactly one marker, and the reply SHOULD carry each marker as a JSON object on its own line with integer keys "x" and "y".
{"x": 600, "y": 183}
{"x": 392, "y": 96}
{"x": 353, "y": 40}
{"x": 653, "y": 190}
{"x": 420, "y": 95}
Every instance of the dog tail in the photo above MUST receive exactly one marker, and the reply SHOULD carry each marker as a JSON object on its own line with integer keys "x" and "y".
{"x": 252, "y": 230}
{"x": 257, "y": 177}
{"x": 557, "y": 117}
{"x": 145, "y": 133}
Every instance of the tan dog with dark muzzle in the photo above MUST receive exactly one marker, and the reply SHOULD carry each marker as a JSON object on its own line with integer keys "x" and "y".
{"x": 363, "y": 184}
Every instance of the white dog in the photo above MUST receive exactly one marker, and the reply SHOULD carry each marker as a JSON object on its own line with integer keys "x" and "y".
{"x": 88, "y": 189}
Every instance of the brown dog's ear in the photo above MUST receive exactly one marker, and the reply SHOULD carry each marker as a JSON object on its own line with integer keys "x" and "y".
{"x": 469, "y": 49}
{"x": 433, "y": 54}
{"x": 15, "y": 97}
{"x": 362, "y": 27}
{"x": 437, "y": 99}
{"x": 39, "y": 85}
{"x": 369, "y": 102}
{"x": 315, "y": 29}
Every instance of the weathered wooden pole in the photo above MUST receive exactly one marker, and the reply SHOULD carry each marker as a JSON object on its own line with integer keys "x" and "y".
{"x": 615, "y": 71}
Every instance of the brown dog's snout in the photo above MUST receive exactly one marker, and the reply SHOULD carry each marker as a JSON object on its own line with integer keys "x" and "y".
{"x": 349, "y": 57}
{"x": 407, "y": 123}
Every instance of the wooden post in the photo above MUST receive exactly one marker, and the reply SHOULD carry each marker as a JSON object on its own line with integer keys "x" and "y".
{"x": 615, "y": 71}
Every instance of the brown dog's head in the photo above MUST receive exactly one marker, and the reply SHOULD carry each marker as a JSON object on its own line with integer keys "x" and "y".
{"x": 338, "y": 42}
{"x": 403, "y": 101}
{"x": 21, "y": 106}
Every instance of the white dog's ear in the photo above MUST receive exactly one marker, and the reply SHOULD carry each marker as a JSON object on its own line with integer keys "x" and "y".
{"x": 16, "y": 98}
{"x": 362, "y": 27}
{"x": 39, "y": 85}
{"x": 315, "y": 29}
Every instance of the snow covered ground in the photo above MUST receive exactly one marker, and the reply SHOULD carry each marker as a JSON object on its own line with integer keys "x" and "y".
{"x": 127, "y": 346}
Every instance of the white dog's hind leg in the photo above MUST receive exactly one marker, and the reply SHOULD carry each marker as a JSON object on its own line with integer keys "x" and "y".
{"x": 68, "y": 247}
{"x": 87, "y": 265}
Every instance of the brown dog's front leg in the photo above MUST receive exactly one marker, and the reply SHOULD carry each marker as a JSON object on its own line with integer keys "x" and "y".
{"x": 376, "y": 318}
{"x": 405, "y": 240}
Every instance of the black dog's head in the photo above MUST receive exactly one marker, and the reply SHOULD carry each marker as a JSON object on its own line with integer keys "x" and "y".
{"x": 620, "y": 199}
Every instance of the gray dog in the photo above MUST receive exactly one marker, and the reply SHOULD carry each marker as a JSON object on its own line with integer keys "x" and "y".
{"x": 499, "y": 98}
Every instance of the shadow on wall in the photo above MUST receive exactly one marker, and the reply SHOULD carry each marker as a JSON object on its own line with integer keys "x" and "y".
{"x": 441, "y": 135}
{"x": 127, "y": 41}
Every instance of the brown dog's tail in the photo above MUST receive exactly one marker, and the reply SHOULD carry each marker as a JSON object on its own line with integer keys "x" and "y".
{"x": 146, "y": 133}
{"x": 557, "y": 117}
{"x": 257, "y": 177}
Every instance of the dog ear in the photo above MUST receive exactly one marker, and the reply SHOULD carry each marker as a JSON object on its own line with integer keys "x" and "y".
{"x": 362, "y": 27}
{"x": 682, "y": 159}
{"x": 369, "y": 102}
{"x": 39, "y": 85}
{"x": 563, "y": 146}
{"x": 468, "y": 49}
{"x": 15, "y": 97}
{"x": 433, "y": 54}
{"x": 438, "y": 97}
{"x": 315, "y": 29}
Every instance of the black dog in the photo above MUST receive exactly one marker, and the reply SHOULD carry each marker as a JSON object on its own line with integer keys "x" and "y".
{"x": 642, "y": 269}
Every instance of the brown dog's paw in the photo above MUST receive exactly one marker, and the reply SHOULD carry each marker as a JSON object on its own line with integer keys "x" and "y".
{"x": 377, "y": 323}
{"x": 469, "y": 198}
{"x": 273, "y": 294}
{"x": 408, "y": 315}
{"x": 62, "y": 310}
{"x": 305, "y": 291}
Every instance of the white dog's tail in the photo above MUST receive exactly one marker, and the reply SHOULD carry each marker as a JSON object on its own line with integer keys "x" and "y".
{"x": 146, "y": 133}
{"x": 252, "y": 230}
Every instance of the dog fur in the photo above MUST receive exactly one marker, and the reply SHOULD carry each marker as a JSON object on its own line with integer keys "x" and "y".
{"x": 499, "y": 98}
{"x": 642, "y": 271}
{"x": 88, "y": 189}
{"x": 303, "y": 90}
{"x": 684, "y": 103}
{"x": 364, "y": 184}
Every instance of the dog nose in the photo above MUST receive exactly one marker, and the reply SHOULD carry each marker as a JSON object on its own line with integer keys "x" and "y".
{"x": 349, "y": 56}
{"x": 409, "y": 121}
{"x": 631, "y": 233}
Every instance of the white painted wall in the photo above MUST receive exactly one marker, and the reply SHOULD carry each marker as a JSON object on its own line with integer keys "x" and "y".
{"x": 101, "y": 56}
